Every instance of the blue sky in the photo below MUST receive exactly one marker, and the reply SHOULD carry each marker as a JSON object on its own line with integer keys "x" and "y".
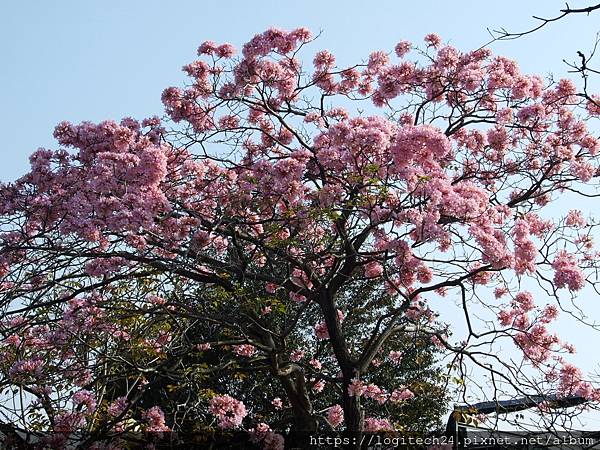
{"x": 93, "y": 60}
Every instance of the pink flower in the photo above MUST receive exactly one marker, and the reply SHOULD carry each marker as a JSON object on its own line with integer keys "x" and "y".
{"x": 401, "y": 394}
{"x": 225, "y": 50}
{"x": 156, "y": 420}
{"x": 155, "y": 300}
{"x": 575, "y": 219}
{"x": 104, "y": 266}
{"x": 437, "y": 342}
{"x": 583, "y": 170}
{"x": 26, "y": 367}
{"x": 321, "y": 331}
{"x": 297, "y": 355}
{"x": 373, "y": 425}
{"x": 270, "y": 440}
{"x": 377, "y": 60}
{"x": 324, "y": 60}
{"x": 335, "y": 415}
{"x": 118, "y": 406}
{"x": 259, "y": 431}
{"x": 316, "y": 364}
{"x": 207, "y": 48}
{"x": 525, "y": 249}
{"x": 571, "y": 383}
{"x": 566, "y": 271}
{"x": 318, "y": 386}
{"x": 274, "y": 441}
{"x": 545, "y": 406}
{"x": 433, "y": 40}
{"x": 299, "y": 298}
{"x": 277, "y": 403}
{"x": 66, "y": 422}
{"x": 228, "y": 122}
{"x": 395, "y": 356}
{"x": 593, "y": 105}
{"x": 374, "y": 392}
{"x": 271, "y": 288}
{"x": 504, "y": 116}
{"x": 500, "y": 292}
{"x": 356, "y": 388}
{"x": 246, "y": 350}
{"x": 402, "y": 48}
{"x": 13, "y": 340}
{"x": 86, "y": 399}
{"x": 301, "y": 35}
{"x": 524, "y": 300}
{"x": 549, "y": 313}
{"x": 373, "y": 269}
{"x": 229, "y": 411}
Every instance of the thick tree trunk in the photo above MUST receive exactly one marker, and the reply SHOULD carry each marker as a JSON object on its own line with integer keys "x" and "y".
{"x": 353, "y": 413}
{"x": 353, "y": 419}
{"x": 305, "y": 422}
{"x": 292, "y": 379}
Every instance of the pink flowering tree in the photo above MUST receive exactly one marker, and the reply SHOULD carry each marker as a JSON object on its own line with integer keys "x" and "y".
{"x": 261, "y": 255}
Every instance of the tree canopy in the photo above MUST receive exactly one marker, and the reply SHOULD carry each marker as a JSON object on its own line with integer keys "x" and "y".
{"x": 269, "y": 255}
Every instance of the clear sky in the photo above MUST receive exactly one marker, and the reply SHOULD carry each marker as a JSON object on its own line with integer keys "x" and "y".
{"x": 93, "y": 60}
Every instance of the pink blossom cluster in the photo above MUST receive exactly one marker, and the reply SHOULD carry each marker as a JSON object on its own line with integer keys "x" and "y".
{"x": 229, "y": 411}
{"x": 321, "y": 330}
{"x": 373, "y": 269}
{"x": 86, "y": 399}
{"x": 66, "y": 422}
{"x": 270, "y": 440}
{"x": 575, "y": 219}
{"x": 26, "y": 368}
{"x": 335, "y": 415}
{"x": 318, "y": 386}
{"x": 525, "y": 249}
{"x": 317, "y": 365}
{"x": 571, "y": 382}
{"x": 395, "y": 356}
{"x": 118, "y": 406}
{"x": 246, "y": 350}
{"x": 567, "y": 272}
{"x": 533, "y": 338}
{"x": 297, "y": 355}
{"x": 222, "y": 51}
{"x": 374, "y": 424}
{"x": 155, "y": 419}
{"x": 120, "y": 183}
{"x": 401, "y": 394}
{"x": 358, "y": 388}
